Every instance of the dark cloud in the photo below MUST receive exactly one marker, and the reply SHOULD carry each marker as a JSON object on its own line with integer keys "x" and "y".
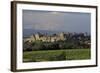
{"x": 57, "y": 21}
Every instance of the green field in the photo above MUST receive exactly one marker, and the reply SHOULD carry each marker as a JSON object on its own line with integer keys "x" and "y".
{"x": 56, "y": 55}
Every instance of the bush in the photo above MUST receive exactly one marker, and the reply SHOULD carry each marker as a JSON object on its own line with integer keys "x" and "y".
{"x": 27, "y": 46}
{"x": 38, "y": 46}
{"x": 58, "y": 45}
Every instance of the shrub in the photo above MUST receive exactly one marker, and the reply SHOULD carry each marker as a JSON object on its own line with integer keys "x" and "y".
{"x": 38, "y": 46}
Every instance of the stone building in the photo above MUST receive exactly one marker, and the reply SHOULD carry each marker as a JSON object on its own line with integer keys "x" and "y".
{"x": 46, "y": 38}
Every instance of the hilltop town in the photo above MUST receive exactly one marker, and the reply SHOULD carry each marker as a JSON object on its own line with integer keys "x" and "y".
{"x": 57, "y": 37}
{"x": 57, "y": 41}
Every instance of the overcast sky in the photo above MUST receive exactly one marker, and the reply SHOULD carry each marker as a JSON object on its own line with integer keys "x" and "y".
{"x": 56, "y": 21}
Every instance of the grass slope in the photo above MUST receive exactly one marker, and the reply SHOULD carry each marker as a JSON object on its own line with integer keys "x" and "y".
{"x": 56, "y": 55}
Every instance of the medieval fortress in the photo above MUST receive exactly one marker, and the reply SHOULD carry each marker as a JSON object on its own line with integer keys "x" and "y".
{"x": 46, "y": 38}
{"x": 54, "y": 37}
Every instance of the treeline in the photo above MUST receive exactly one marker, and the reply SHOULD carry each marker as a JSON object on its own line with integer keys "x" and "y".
{"x": 57, "y": 45}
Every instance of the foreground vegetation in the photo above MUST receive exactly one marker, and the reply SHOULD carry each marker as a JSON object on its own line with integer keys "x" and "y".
{"x": 56, "y": 55}
{"x": 72, "y": 47}
{"x": 59, "y": 45}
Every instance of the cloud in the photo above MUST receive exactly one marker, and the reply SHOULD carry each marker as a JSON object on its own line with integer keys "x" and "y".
{"x": 59, "y": 21}
{"x": 46, "y": 21}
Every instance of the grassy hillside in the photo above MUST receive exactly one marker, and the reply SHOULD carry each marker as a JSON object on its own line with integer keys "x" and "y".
{"x": 56, "y": 55}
